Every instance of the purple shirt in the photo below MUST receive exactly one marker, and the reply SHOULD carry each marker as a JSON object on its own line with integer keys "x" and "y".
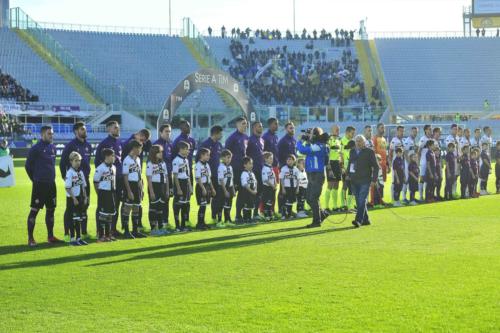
{"x": 83, "y": 148}
{"x": 286, "y": 146}
{"x": 115, "y": 145}
{"x": 237, "y": 143}
{"x": 398, "y": 166}
{"x": 413, "y": 168}
{"x": 451, "y": 161}
{"x": 465, "y": 166}
{"x": 254, "y": 150}
{"x": 167, "y": 152}
{"x": 126, "y": 150}
{"x": 41, "y": 162}
{"x": 485, "y": 156}
{"x": 271, "y": 145}
{"x": 431, "y": 159}
{"x": 474, "y": 167}
{"x": 215, "y": 151}
{"x": 192, "y": 143}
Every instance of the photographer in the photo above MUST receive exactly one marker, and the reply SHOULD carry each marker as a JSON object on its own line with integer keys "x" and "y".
{"x": 313, "y": 145}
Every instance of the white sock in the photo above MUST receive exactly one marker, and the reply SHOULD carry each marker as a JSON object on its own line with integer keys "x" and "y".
{"x": 405, "y": 189}
{"x": 421, "y": 190}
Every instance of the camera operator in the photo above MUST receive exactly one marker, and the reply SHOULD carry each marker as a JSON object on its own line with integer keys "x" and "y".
{"x": 313, "y": 145}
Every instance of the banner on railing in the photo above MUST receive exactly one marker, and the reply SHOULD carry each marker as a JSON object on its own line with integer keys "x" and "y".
{"x": 35, "y": 107}
{"x": 7, "y": 178}
{"x": 65, "y": 108}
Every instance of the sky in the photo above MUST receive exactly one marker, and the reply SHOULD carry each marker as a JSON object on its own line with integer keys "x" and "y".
{"x": 382, "y": 15}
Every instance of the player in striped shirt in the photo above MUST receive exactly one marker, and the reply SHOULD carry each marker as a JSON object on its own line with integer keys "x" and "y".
{"x": 268, "y": 185}
{"x": 158, "y": 189}
{"x": 182, "y": 186}
{"x": 246, "y": 194}
{"x": 204, "y": 187}
{"x": 225, "y": 191}
{"x": 76, "y": 198}
{"x": 303, "y": 182}
{"x": 105, "y": 187}
{"x": 132, "y": 181}
{"x": 289, "y": 179}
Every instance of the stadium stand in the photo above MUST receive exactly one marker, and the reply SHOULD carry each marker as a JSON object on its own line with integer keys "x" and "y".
{"x": 305, "y": 72}
{"x": 147, "y": 66}
{"x": 441, "y": 72}
{"x": 10, "y": 126}
{"x": 11, "y": 90}
{"x": 20, "y": 61}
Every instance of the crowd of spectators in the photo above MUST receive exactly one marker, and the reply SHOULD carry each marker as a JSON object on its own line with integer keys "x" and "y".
{"x": 9, "y": 126}
{"x": 10, "y": 89}
{"x": 482, "y": 32}
{"x": 338, "y": 38}
{"x": 307, "y": 78}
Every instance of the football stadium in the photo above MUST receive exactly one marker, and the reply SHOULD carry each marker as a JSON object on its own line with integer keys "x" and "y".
{"x": 250, "y": 166}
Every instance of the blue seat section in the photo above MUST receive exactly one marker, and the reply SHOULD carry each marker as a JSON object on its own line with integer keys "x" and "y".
{"x": 33, "y": 73}
{"x": 147, "y": 66}
{"x": 448, "y": 72}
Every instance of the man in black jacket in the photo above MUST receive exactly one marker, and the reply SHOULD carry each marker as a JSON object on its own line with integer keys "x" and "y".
{"x": 363, "y": 169}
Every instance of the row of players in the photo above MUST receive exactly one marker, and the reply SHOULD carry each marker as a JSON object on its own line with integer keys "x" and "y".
{"x": 43, "y": 177}
{"x": 417, "y": 166}
{"x": 293, "y": 180}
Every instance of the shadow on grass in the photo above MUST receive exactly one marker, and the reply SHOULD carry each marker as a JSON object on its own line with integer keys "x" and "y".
{"x": 220, "y": 246}
{"x": 20, "y": 248}
{"x": 181, "y": 248}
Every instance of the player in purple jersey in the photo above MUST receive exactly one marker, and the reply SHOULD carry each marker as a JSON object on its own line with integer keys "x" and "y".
{"x": 451, "y": 161}
{"x": 398, "y": 176}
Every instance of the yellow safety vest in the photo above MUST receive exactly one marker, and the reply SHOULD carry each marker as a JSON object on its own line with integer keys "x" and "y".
{"x": 345, "y": 152}
{"x": 335, "y": 145}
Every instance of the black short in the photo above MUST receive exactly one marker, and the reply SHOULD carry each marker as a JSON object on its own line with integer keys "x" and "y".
{"x": 75, "y": 211}
{"x": 245, "y": 199}
{"x": 159, "y": 190}
{"x": 484, "y": 173}
{"x": 43, "y": 194}
{"x": 268, "y": 195}
{"x": 184, "y": 198}
{"x": 301, "y": 196}
{"x": 136, "y": 191}
{"x": 106, "y": 203}
{"x": 202, "y": 200}
{"x": 290, "y": 195}
{"x": 413, "y": 185}
{"x": 336, "y": 172}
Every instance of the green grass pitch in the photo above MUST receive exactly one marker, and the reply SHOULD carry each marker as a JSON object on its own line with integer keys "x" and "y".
{"x": 416, "y": 269}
